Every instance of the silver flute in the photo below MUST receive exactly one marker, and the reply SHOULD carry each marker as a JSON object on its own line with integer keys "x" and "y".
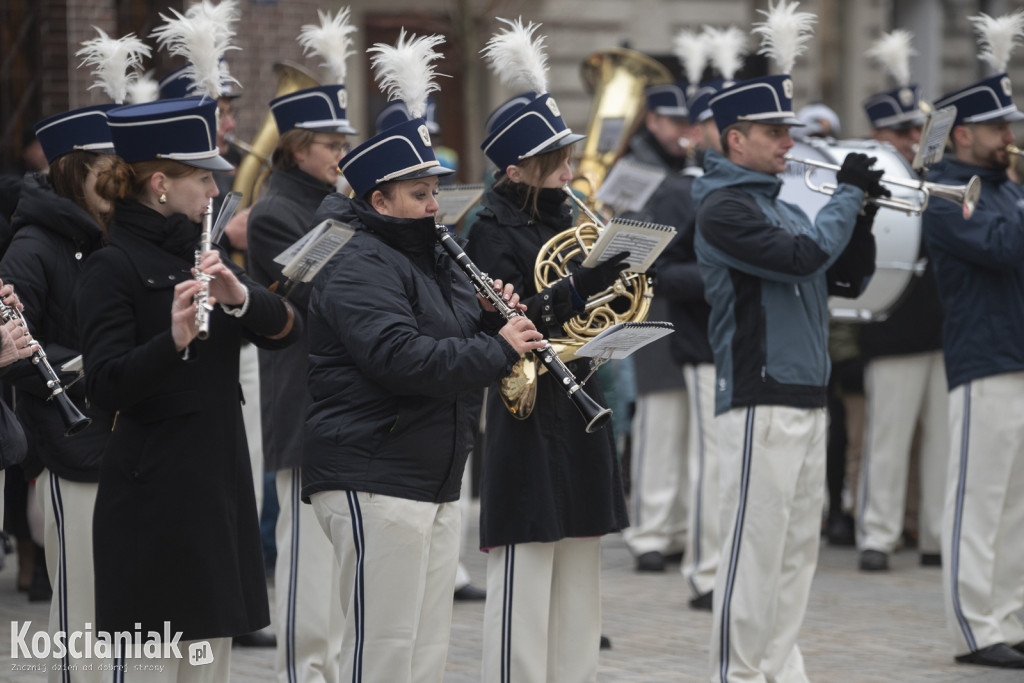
{"x": 202, "y": 297}
{"x": 73, "y": 419}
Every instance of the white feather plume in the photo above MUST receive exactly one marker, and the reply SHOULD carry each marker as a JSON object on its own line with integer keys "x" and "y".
{"x": 727, "y": 47}
{"x": 330, "y": 40}
{"x": 784, "y": 33}
{"x": 691, "y": 49}
{"x": 517, "y": 58}
{"x": 997, "y": 36}
{"x": 405, "y": 71}
{"x": 892, "y": 51}
{"x": 143, "y": 89}
{"x": 202, "y": 36}
{"x": 116, "y": 62}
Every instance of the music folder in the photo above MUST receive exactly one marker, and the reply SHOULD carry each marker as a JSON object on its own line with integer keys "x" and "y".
{"x": 643, "y": 241}
{"x": 307, "y": 256}
{"x": 629, "y": 185}
{"x": 622, "y": 339}
{"x": 933, "y": 137}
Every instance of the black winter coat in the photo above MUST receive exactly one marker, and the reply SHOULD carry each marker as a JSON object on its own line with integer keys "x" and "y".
{"x": 283, "y": 214}
{"x": 399, "y": 350}
{"x": 53, "y": 238}
{"x": 543, "y": 478}
{"x": 175, "y": 530}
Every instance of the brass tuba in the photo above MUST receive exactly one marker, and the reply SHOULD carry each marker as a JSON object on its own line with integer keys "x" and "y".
{"x": 617, "y": 78}
{"x": 255, "y": 166}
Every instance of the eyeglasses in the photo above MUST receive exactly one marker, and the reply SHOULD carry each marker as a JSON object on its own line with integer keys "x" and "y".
{"x": 335, "y": 147}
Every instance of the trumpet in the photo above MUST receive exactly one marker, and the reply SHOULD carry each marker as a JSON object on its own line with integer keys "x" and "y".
{"x": 73, "y": 419}
{"x": 202, "y": 297}
{"x": 965, "y": 196}
{"x": 1014, "y": 150}
{"x": 594, "y": 415}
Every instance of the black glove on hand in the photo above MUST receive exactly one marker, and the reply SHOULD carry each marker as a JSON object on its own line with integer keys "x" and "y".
{"x": 590, "y": 281}
{"x": 857, "y": 171}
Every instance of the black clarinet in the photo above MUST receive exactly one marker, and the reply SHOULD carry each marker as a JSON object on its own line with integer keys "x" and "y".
{"x": 74, "y": 420}
{"x": 593, "y": 413}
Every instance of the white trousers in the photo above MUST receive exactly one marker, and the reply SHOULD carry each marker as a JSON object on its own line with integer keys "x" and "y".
{"x": 659, "y": 474}
{"x": 462, "y": 578}
{"x": 900, "y": 391}
{"x": 772, "y": 480}
{"x": 249, "y": 379}
{"x": 983, "y": 521}
{"x": 174, "y": 670}
{"x": 397, "y": 559}
{"x": 67, "y": 534}
{"x": 542, "y": 619}
{"x": 307, "y": 605}
{"x": 703, "y": 546}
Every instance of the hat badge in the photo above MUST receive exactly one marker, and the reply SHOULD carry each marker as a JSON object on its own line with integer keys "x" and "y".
{"x": 1005, "y": 83}
{"x": 906, "y": 96}
{"x": 343, "y": 98}
{"x": 553, "y": 107}
{"x": 787, "y": 88}
{"x": 424, "y": 134}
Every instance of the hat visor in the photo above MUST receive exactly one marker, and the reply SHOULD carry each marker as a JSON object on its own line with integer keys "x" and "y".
{"x": 780, "y": 121}
{"x": 424, "y": 173}
{"x": 1015, "y": 115}
{"x": 329, "y": 127}
{"x": 214, "y": 163}
{"x": 560, "y": 143}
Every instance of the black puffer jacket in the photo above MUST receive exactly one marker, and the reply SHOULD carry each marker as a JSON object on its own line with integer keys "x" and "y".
{"x": 398, "y": 347}
{"x": 53, "y": 237}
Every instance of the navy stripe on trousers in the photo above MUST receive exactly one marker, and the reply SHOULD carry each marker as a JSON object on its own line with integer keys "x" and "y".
{"x": 737, "y": 537}
{"x": 293, "y": 581}
{"x": 506, "y": 615}
{"x": 61, "y": 589}
{"x": 958, "y": 518}
{"x": 358, "y": 593}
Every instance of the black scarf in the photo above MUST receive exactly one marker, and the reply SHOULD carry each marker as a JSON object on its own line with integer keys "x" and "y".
{"x": 552, "y": 208}
{"x": 175, "y": 234}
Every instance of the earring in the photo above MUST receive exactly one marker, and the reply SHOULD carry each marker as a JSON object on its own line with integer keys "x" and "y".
{"x": 163, "y": 198}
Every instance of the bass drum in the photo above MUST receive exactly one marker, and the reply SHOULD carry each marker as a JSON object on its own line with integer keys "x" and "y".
{"x": 897, "y": 235}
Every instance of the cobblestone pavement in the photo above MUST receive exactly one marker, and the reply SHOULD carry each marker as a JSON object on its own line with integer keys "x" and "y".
{"x": 860, "y": 628}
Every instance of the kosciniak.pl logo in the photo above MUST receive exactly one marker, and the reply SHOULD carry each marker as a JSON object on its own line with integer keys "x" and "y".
{"x": 103, "y": 645}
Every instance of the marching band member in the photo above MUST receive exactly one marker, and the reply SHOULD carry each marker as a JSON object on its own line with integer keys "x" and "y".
{"x": 979, "y": 265}
{"x": 60, "y": 221}
{"x": 176, "y": 534}
{"x": 767, "y": 274}
{"x": 904, "y": 377}
{"x": 313, "y": 130}
{"x": 397, "y": 341}
{"x": 660, "y": 480}
{"x": 548, "y": 490}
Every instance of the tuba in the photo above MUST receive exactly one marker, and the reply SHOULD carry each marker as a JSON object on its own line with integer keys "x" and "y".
{"x": 618, "y": 79}
{"x": 255, "y": 166}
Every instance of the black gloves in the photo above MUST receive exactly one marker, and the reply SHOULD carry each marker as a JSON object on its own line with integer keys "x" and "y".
{"x": 857, "y": 171}
{"x": 590, "y": 281}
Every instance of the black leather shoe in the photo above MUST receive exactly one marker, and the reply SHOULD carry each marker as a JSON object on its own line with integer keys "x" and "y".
{"x": 606, "y": 643}
{"x": 469, "y": 593}
{"x": 839, "y": 530}
{"x": 874, "y": 561}
{"x": 703, "y": 601}
{"x": 999, "y": 655}
{"x": 262, "y": 638}
{"x": 931, "y": 560}
{"x": 650, "y": 562}
{"x": 674, "y": 558}
{"x": 1019, "y": 647}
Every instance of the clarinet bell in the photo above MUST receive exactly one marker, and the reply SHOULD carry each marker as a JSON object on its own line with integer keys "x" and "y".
{"x": 73, "y": 418}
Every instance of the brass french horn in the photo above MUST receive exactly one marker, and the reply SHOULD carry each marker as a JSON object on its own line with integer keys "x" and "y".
{"x": 255, "y": 166}
{"x": 617, "y": 78}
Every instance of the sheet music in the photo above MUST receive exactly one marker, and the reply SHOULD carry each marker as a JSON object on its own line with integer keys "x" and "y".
{"x": 643, "y": 241}
{"x": 307, "y": 256}
{"x": 621, "y": 340}
{"x": 227, "y": 209}
{"x": 629, "y": 185}
{"x": 933, "y": 137}
{"x": 455, "y": 200}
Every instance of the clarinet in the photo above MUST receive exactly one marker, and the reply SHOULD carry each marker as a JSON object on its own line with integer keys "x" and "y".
{"x": 202, "y": 297}
{"x": 593, "y": 413}
{"x": 74, "y": 420}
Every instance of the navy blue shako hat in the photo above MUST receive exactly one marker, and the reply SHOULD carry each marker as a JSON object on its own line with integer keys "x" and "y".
{"x": 526, "y": 131}
{"x": 321, "y": 109}
{"x": 768, "y": 99}
{"x": 183, "y": 130}
{"x": 899, "y": 108}
{"x": 667, "y": 100}
{"x": 80, "y": 129}
{"x": 402, "y": 152}
{"x": 988, "y": 101}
